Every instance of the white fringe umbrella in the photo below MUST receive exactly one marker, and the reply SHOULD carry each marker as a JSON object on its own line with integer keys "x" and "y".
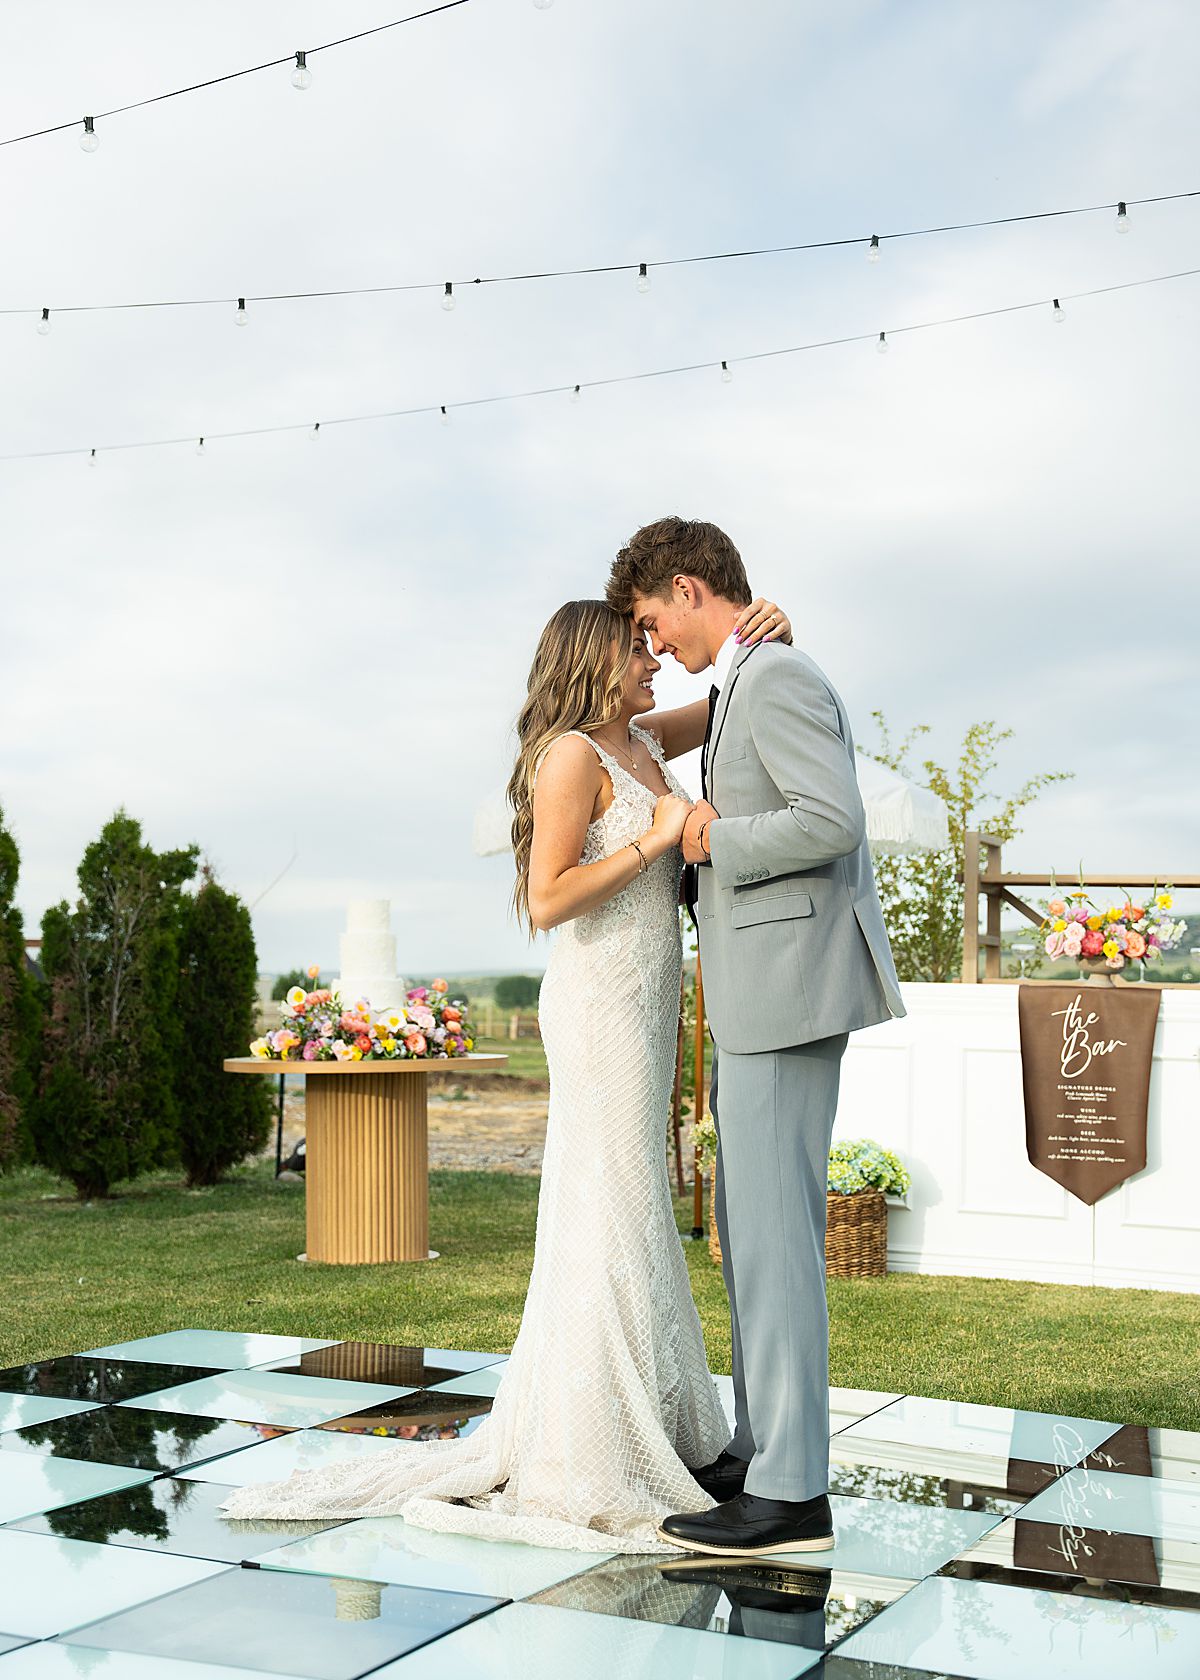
{"x": 902, "y": 818}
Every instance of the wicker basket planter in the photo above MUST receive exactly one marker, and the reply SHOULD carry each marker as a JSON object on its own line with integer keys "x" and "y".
{"x": 855, "y": 1234}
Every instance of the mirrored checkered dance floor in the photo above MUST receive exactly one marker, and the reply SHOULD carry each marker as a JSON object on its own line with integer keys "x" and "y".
{"x": 971, "y": 1541}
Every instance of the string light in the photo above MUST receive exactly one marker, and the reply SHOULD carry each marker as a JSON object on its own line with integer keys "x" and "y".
{"x": 92, "y": 459}
{"x": 448, "y": 297}
{"x": 200, "y": 449}
{"x": 881, "y": 344}
{"x": 726, "y": 374}
{"x": 574, "y": 397}
{"x": 1122, "y": 217}
{"x": 642, "y": 269}
{"x": 873, "y": 251}
{"x": 315, "y": 433}
{"x": 301, "y": 75}
{"x": 879, "y": 339}
{"x": 89, "y": 140}
{"x": 43, "y": 325}
{"x": 1060, "y": 313}
{"x": 240, "y": 318}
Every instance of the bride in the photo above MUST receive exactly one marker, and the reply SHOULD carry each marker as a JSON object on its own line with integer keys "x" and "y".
{"x": 606, "y": 1400}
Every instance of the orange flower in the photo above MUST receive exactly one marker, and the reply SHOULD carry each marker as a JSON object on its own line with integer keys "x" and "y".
{"x": 363, "y": 1042}
{"x": 440, "y": 986}
{"x": 450, "y": 1015}
{"x": 415, "y": 1042}
{"x": 1134, "y": 912}
{"x": 1135, "y": 945}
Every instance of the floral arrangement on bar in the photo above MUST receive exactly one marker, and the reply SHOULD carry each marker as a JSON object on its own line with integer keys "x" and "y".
{"x": 318, "y": 1027}
{"x": 1075, "y": 928}
{"x": 862, "y": 1164}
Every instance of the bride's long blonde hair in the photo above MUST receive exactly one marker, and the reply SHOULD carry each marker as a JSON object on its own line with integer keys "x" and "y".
{"x": 575, "y": 682}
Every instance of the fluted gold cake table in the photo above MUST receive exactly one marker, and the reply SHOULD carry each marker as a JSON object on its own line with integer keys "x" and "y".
{"x": 366, "y": 1153}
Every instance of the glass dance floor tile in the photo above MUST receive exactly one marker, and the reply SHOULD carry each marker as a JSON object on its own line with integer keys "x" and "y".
{"x": 1059, "y": 1557}
{"x": 52, "y": 1660}
{"x": 170, "y": 1515}
{"x": 378, "y": 1362}
{"x": 539, "y": 1642}
{"x": 79, "y": 1377}
{"x": 274, "y": 1461}
{"x": 977, "y": 1629}
{"x": 912, "y": 1475}
{"x": 9, "y": 1642}
{"x": 884, "y": 1537}
{"x": 486, "y": 1380}
{"x": 1093, "y": 1499}
{"x": 1173, "y": 1454}
{"x": 758, "y": 1598}
{"x": 852, "y": 1405}
{"x": 277, "y": 1623}
{"x": 143, "y": 1439}
{"x": 220, "y": 1349}
{"x": 18, "y": 1411}
{"x": 267, "y": 1397}
{"x": 29, "y": 1484}
{"x": 49, "y": 1586}
{"x": 387, "y": 1549}
{"x": 415, "y": 1417}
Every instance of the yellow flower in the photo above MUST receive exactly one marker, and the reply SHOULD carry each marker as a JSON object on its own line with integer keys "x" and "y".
{"x": 260, "y": 1049}
{"x": 389, "y": 1044}
{"x": 1163, "y": 901}
{"x": 356, "y": 1054}
{"x": 1059, "y": 925}
{"x": 470, "y": 1043}
{"x": 1112, "y": 914}
{"x": 1095, "y": 922}
{"x": 1111, "y": 948}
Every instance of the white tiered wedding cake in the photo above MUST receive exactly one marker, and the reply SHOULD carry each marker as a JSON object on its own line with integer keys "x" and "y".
{"x": 368, "y": 954}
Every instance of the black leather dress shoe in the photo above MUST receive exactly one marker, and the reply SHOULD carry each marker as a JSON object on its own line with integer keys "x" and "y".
{"x": 749, "y": 1526}
{"x": 724, "y": 1478}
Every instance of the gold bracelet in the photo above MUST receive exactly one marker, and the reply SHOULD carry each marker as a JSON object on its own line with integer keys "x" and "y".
{"x": 642, "y": 864}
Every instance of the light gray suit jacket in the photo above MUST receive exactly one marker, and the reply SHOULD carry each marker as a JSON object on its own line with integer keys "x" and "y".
{"x": 792, "y": 939}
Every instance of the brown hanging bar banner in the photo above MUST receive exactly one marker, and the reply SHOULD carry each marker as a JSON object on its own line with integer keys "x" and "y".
{"x": 1085, "y": 1067}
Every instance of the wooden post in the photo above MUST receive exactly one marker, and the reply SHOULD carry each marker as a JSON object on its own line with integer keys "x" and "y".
{"x": 970, "y": 961}
{"x": 698, "y": 1176}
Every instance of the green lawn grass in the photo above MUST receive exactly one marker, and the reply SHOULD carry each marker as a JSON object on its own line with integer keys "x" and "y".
{"x": 160, "y": 1257}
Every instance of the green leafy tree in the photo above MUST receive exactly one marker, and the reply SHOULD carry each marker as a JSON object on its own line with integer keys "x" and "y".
{"x": 222, "y": 1119}
{"x": 922, "y": 896}
{"x": 106, "y": 1109}
{"x": 517, "y": 991}
{"x": 19, "y": 1014}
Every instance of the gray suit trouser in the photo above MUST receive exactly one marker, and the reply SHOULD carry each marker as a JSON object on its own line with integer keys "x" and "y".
{"x": 774, "y": 1118}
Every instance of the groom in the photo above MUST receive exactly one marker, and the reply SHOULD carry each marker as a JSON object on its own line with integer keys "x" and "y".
{"x": 795, "y": 958}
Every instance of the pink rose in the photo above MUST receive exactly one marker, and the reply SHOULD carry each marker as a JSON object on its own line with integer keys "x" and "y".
{"x": 1115, "y": 962}
{"x": 310, "y": 1052}
{"x": 1054, "y": 944}
{"x": 1135, "y": 945}
{"x": 418, "y": 994}
{"x": 415, "y": 1042}
{"x": 1056, "y": 907}
{"x": 1092, "y": 943}
{"x": 1072, "y": 941}
{"x": 1079, "y": 915}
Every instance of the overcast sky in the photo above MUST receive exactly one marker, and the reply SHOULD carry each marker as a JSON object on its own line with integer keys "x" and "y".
{"x": 320, "y": 648}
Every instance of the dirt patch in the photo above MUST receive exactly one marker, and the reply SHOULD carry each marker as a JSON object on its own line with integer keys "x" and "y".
{"x": 496, "y": 1125}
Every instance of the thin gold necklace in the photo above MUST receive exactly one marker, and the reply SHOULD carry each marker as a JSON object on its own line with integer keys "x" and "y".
{"x": 628, "y": 752}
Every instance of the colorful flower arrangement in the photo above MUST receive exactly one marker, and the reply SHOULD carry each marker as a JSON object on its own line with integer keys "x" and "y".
{"x": 862, "y": 1164}
{"x": 318, "y": 1027}
{"x": 1077, "y": 929}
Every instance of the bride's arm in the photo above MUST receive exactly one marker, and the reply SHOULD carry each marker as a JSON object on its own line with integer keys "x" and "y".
{"x": 564, "y": 797}
{"x": 681, "y": 730}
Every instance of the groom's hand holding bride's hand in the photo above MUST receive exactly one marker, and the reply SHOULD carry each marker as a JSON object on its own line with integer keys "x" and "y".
{"x": 670, "y": 815}
{"x": 695, "y": 837}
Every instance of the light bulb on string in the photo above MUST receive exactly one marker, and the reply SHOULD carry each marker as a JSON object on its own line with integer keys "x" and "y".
{"x": 445, "y": 415}
{"x": 89, "y": 140}
{"x": 574, "y": 396}
{"x": 1122, "y": 217}
{"x": 448, "y": 297}
{"x": 301, "y": 75}
{"x": 643, "y": 278}
{"x": 873, "y": 249}
{"x": 726, "y": 374}
{"x": 881, "y": 344}
{"x": 1060, "y": 313}
{"x": 315, "y": 433}
{"x": 200, "y": 449}
{"x": 92, "y": 459}
{"x": 43, "y": 325}
{"x": 240, "y": 318}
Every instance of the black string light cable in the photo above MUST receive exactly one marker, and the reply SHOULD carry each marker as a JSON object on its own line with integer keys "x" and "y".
{"x": 573, "y": 390}
{"x": 301, "y": 78}
{"x": 446, "y": 288}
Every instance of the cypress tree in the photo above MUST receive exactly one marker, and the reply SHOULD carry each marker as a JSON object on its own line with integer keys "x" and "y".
{"x": 222, "y": 1117}
{"x": 106, "y": 1109}
{"x": 19, "y": 1014}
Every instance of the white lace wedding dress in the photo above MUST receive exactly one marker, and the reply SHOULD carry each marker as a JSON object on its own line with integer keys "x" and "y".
{"x": 607, "y": 1396}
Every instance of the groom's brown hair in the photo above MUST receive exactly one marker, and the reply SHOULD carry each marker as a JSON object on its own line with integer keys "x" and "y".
{"x": 659, "y": 552}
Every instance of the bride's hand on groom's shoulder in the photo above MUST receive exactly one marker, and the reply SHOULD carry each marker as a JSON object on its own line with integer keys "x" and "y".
{"x": 762, "y": 621}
